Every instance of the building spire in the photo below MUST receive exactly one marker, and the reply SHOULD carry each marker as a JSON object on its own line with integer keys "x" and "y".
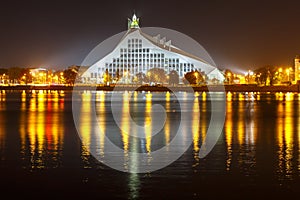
{"x": 134, "y": 22}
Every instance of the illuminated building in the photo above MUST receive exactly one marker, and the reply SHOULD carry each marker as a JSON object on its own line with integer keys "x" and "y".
{"x": 138, "y": 52}
{"x": 39, "y": 75}
{"x": 297, "y": 68}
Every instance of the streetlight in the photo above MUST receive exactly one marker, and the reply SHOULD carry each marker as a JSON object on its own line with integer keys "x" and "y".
{"x": 288, "y": 73}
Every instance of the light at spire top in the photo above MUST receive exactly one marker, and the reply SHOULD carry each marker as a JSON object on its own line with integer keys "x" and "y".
{"x": 134, "y": 22}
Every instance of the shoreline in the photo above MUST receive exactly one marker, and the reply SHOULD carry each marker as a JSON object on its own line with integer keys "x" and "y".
{"x": 213, "y": 88}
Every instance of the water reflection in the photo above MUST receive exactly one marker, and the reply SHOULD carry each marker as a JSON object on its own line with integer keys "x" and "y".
{"x": 148, "y": 122}
{"x": 2, "y": 124}
{"x": 41, "y": 130}
{"x": 100, "y": 96}
{"x": 125, "y": 127}
{"x": 168, "y": 121}
{"x": 195, "y": 129}
{"x": 229, "y": 131}
{"x": 240, "y": 132}
{"x": 86, "y": 128}
{"x": 285, "y": 136}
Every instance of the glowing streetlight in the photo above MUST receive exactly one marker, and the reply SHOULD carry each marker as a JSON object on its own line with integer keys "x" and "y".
{"x": 288, "y": 73}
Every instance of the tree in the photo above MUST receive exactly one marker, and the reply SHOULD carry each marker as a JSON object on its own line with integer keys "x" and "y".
{"x": 15, "y": 73}
{"x": 27, "y": 76}
{"x": 3, "y": 71}
{"x": 106, "y": 77}
{"x": 70, "y": 75}
{"x": 266, "y": 75}
{"x": 173, "y": 77}
{"x": 141, "y": 78}
{"x": 156, "y": 75}
{"x": 228, "y": 76}
{"x": 194, "y": 77}
{"x": 117, "y": 78}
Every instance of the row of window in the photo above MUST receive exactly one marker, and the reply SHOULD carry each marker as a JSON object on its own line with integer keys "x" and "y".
{"x": 144, "y": 50}
{"x": 144, "y": 55}
{"x": 134, "y": 40}
{"x": 136, "y": 64}
{"x": 140, "y": 59}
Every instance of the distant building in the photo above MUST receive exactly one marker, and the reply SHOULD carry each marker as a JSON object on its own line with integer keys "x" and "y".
{"x": 39, "y": 75}
{"x": 138, "y": 52}
{"x": 297, "y": 68}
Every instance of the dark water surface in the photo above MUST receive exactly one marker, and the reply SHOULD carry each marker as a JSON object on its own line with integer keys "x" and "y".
{"x": 42, "y": 155}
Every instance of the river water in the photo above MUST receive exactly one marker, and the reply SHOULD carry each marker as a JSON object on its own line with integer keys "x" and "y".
{"x": 43, "y": 154}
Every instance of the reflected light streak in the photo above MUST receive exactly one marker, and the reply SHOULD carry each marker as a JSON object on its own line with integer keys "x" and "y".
{"x": 148, "y": 122}
{"x": 241, "y": 97}
{"x": 167, "y": 124}
{"x": 229, "y": 96}
{"x": 288, "y": 137}
{"x": 228, "y": 134}
{"x": 280, "y": 128}
{"x": 36, "y": 131}
{"x": 85, "y": 127}
{"x": 195, "y": 129}
{"x": 203, "y": 113}
{"x": 285, "y": 139}
{"x": 2, "y": 133}
{"x": 2, "y": 97}
{"x": 241, "y": 123}
{"x": 289, "y": 96}
{"x": 125, "y": 127}
{"x": 40, "y": 131}
{"x": 2, "y": 122}
{"x": 102, "y": 121}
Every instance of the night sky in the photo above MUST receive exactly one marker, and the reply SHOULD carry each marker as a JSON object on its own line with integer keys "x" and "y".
{"x": 237, "y": 34}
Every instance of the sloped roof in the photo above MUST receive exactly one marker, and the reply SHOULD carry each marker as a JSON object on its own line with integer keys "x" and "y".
{"x": 170, "y": 48}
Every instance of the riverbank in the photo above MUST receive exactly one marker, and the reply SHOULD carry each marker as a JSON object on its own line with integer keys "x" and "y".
{"x": 214, "y": 88}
